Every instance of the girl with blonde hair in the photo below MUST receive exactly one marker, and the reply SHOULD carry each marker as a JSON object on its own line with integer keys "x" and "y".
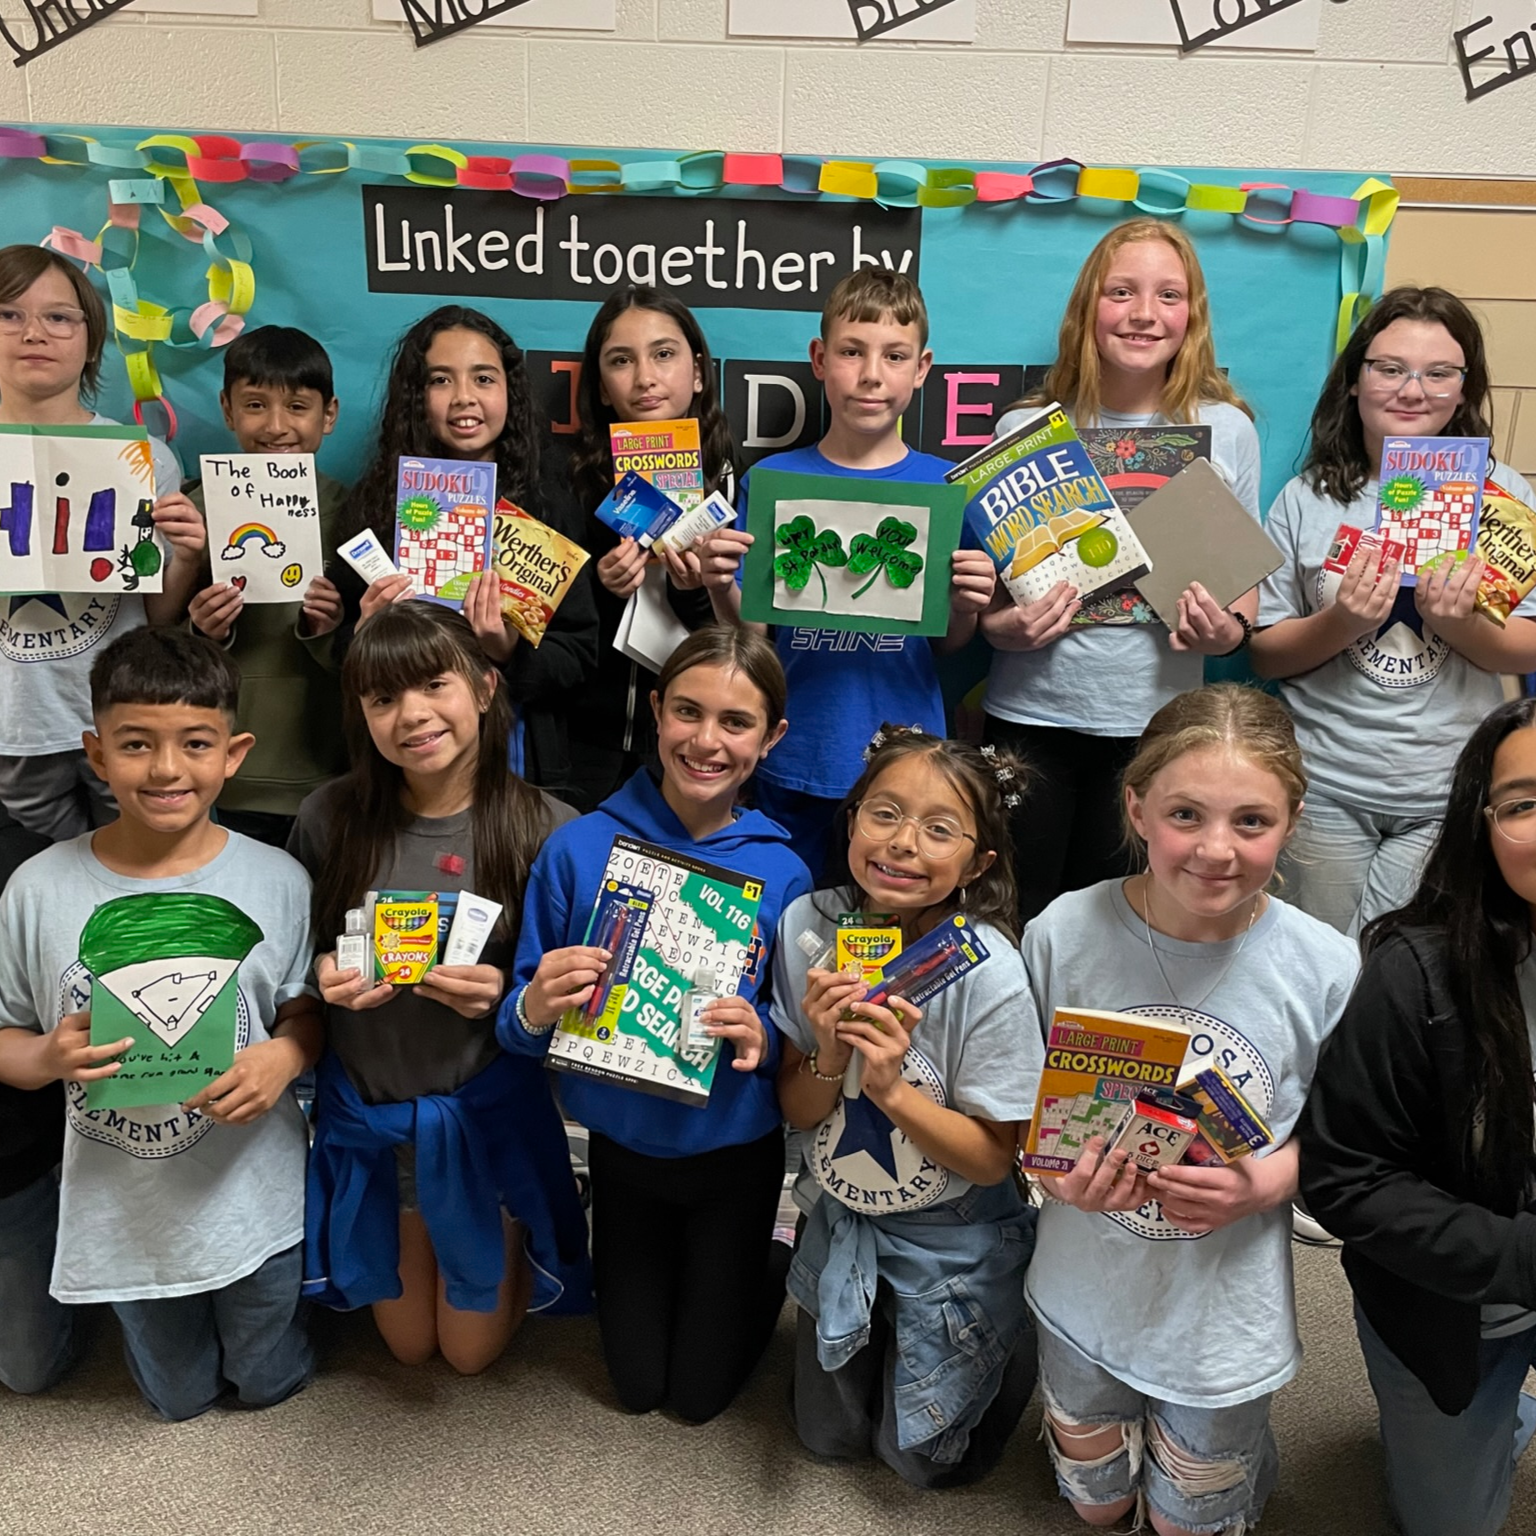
{"x": 1073, "y": 682}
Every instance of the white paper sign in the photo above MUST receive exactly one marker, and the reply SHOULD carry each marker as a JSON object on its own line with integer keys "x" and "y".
{"x": 76, "y": 511}
{"x": 918, "y": 21}
{"x": 648, "y": 630}
{"x": 1291, "y": 26}
{"x": 841, "y": 590}
{"x": 263, "y": 522}
{"x": 565, "y": 15}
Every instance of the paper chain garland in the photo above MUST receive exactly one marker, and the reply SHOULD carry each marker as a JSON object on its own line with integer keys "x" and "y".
{"x": 1361, "y": 220}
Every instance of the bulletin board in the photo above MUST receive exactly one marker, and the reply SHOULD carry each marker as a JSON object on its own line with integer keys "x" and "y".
{"x": 194, "y": 235}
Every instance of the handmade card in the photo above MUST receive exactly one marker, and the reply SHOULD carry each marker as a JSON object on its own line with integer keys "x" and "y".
{"x": 701, "y": 918}
{"x": 164, "y": 974}
{"x": 77, "y": 510}
{"x": 866, "y": 555}
{"x": 443, "y": 511}
{"x": 263, "y": 523}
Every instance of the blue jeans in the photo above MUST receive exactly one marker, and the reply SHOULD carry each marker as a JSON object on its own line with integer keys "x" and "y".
{"x": 1345, "y": 866}
{"x": 37, "y": 1337}
{"x": 1206, "y": 1469}
{"x": 1452, "y": 1474}
{"x": 186, "y": 1351}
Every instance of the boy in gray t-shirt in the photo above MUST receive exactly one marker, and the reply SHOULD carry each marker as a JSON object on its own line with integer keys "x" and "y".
{"x": 186, "y": 1217}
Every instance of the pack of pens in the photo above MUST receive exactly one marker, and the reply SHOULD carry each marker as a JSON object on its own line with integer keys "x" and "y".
{"x": 617, "y": 926}
{"x": 926, "y": 967}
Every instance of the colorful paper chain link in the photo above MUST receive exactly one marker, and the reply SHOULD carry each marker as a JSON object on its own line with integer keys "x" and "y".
{"x": 1361, "y": 220}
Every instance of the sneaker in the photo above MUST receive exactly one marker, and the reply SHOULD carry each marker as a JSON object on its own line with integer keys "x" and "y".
{"x": 1306, "y": 1228}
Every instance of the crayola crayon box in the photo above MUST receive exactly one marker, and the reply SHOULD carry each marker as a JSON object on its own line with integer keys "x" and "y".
{"x": 405, "y": 933}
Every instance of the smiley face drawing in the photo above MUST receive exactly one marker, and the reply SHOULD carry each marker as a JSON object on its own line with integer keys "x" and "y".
{"x": 291, "y": 575}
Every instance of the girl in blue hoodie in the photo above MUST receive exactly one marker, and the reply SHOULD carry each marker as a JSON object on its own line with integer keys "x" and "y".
{"x": 683, "y": 1197}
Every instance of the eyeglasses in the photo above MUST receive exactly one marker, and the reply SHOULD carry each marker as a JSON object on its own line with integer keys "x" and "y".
{"x": 59, "y": 322}
{"x": 1515, "y": 819}
{"x": 1438, "y": 382}
{"x": 937, "y": 836}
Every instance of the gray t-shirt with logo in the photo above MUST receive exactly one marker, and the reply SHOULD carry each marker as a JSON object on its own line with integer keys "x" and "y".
{"x": 1381, "y": 724}
{"x": 1205, "y": 1320}
{"x": 156, "y": 1201}
{"x": 975, "y": 1051}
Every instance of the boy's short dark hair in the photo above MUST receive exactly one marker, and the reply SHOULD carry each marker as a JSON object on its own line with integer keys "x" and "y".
{"x": 280, "y": 357}
{"x": 870, "y": 294}
{"x": 161, "y": 664}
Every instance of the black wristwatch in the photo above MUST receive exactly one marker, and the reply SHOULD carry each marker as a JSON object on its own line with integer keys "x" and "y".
{"x": 1242, "y": 644}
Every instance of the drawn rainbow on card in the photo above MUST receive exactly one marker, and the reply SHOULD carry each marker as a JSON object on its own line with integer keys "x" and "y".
{"x": 258, "y": 534}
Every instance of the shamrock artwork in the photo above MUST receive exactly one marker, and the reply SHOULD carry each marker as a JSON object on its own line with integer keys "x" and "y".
{"x": 836, "y": 553}
{"x": 164, "y": 974}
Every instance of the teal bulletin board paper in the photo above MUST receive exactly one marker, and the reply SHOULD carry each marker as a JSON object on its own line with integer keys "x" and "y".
{"x": 995, "y": 277}
{"x": 854, "y": 571}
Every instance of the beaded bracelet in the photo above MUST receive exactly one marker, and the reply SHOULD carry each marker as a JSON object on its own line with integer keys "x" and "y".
{"x": 821, "y": 1077}
{"x": 523, "y": 1019}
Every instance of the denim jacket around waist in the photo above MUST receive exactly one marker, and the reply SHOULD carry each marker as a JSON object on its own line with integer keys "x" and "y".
{"x": 956, "y": 1278}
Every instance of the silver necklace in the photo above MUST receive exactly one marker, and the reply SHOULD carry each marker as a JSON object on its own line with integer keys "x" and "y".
{"x": 1157, "y": 960}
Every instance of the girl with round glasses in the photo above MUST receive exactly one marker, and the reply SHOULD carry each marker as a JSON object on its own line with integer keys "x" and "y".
{"x": 1416, "y": 1147}
{"x": 1385, "y": 681}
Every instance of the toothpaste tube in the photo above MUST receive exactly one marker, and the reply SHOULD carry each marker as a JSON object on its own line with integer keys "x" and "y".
{"x": 712, "y": 513}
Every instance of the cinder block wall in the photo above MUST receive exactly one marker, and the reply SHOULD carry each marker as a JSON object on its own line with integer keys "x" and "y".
{"x": 1381, "y": 92}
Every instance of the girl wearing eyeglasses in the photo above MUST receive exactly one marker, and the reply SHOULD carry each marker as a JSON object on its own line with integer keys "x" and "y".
{"x": 53, "y": 331}
{"x": 1385, "y": 681}
{"x": 1416, "y": 1148}
{"x": 913, "y": 1343}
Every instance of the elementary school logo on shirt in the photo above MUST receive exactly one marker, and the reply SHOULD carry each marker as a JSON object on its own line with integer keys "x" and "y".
{"x": 858, "y": 1155}
{"x": 1211, "y": 1041}
{"x": 149, "y": 1130}
{"x": 1401, "y": 654}
{"x": 50, "y": 626}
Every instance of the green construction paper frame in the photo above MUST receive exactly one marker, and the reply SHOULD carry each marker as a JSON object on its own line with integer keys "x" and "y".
{"x": 759, "y": 592}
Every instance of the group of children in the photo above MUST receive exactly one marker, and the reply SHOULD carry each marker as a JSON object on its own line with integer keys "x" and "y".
{"x": 393, "y": 743}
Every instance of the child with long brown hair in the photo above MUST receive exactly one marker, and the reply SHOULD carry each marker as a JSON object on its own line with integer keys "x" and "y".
{"x": 1385, "y": 682}
{"x": 912, "y": 1116}
{"x": 683, "y": 1195}
{"x": 1073, "y": 683}
{"x": 646, "y": 359}
{"x": 437, "y": 1157}
{"x": 1165, "y": 1305}
{"x": 458, "y": 389}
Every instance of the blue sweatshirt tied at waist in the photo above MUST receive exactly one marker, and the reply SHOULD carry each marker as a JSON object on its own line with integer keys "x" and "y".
{"x": 497, "y": 1143}
{"x": 956, "y": 1276}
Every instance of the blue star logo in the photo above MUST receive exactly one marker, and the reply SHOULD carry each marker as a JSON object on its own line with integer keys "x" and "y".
{"x": 867, "y": 1128}
{"x": 47, "y": 599}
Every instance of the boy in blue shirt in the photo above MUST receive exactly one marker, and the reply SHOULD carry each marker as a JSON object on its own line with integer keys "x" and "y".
{"x": 185, "y": 1217}
{"x": 871, "y": 356}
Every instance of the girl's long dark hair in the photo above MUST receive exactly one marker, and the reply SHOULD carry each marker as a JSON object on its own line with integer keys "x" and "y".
{"x": 1336, "y": 464}
{"x": 405, "y": 646}
{"x": 403, "y": 428}
{"x": 591, "y": 457}
{"x": 1487, "y": 932}
{"x": 982, "y": 781}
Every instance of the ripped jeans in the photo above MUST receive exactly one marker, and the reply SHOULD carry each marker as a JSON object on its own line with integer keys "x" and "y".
{"x": 1206, "y": 1469}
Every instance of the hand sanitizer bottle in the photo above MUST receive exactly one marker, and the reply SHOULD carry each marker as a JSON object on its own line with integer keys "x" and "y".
{"x": 691, "y": 1024}
{"x": 352, "y": 946}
